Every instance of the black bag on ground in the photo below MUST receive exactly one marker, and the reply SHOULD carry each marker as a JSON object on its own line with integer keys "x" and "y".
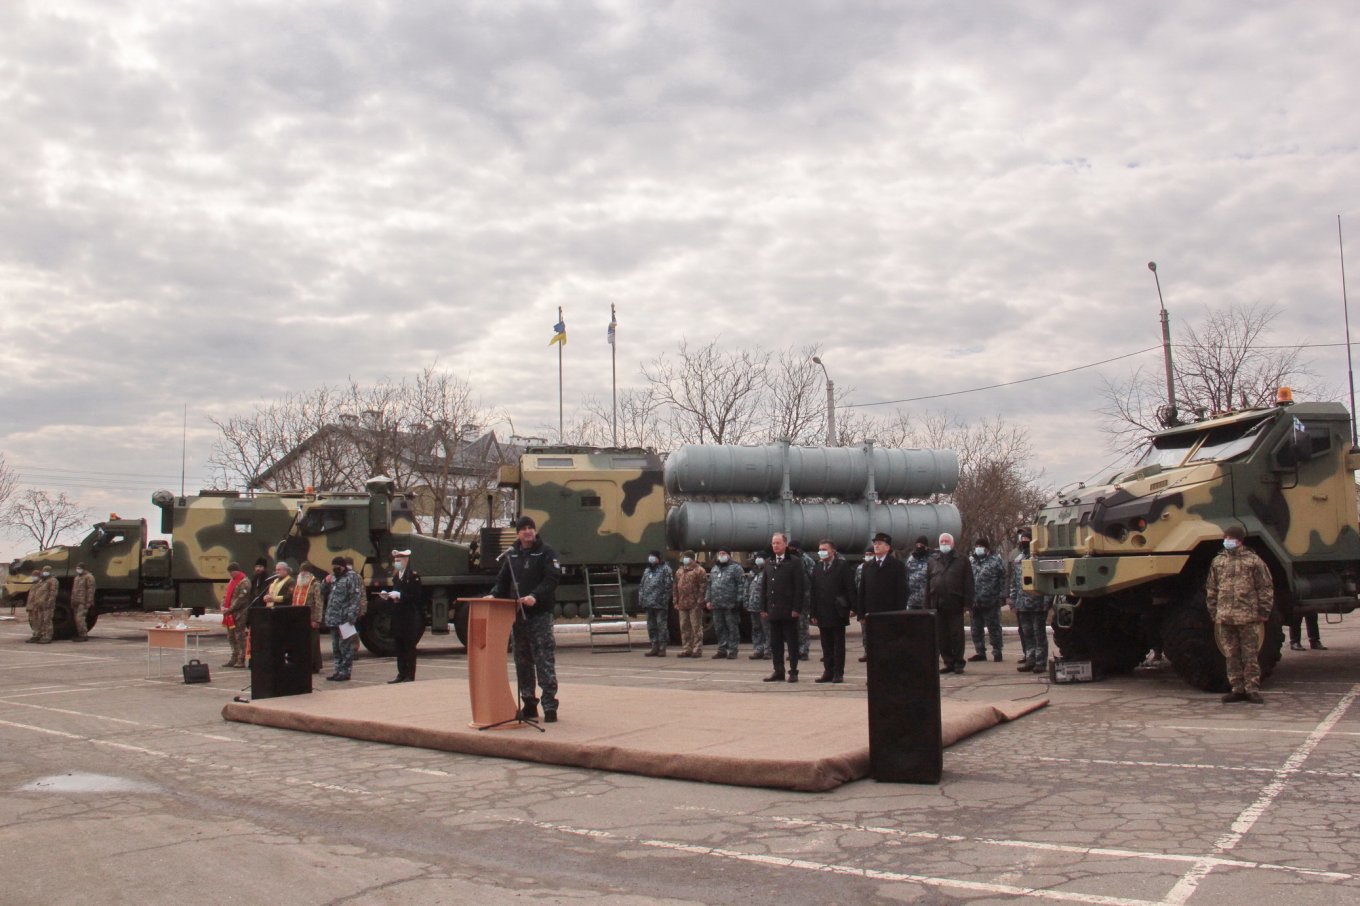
{"x": 196, "y": 672}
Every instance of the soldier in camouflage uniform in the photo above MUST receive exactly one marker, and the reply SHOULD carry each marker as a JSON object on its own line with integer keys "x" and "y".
{"x": 1240, "y": 596}
{"x": 760, "y": 626}
{"x": 917, "y": 564}
{"x": 989, "y": 584}
{"x": 654, "y": 596}
{"x": 530, "y": 573}
{"x": 805, "y": 615}
{"x": 691, "y": 585}
{"x": 234, "y": 610}
{"x": 342, "y": 607}
{"x": 1031, "y": 611}
{"x": 40, "y": 604}
{"x": 726, "y": 582}
{"x": 82, "y": 599}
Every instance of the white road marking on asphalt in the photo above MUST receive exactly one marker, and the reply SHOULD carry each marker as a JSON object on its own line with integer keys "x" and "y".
{"x": 1064, "y": 848}
{"x": 1344, "y": 775}
{"x": 1190, "y": 881}
{"x": 1250, "y": 730}
{"x": 429, "y": 771}
{"x": 850, "y": 870}
{"x": 119, "y": 720}
{"x": 55, "y": 663}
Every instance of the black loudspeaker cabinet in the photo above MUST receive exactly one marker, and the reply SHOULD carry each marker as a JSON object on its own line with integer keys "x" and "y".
{"x": 280, "y": 651}
{"x": 905, "y": 739}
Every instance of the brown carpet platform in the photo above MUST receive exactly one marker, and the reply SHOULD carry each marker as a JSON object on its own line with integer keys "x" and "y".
{"x": 777, "y": 738}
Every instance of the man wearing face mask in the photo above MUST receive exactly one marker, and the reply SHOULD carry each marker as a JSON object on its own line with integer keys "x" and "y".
{"x": 342, "y": 609}
{"x": 1031, "y": 610}
{"x": 82, "y": 598}
{"x": 949, "y": 589}
{"x": 916, "y": 563}
{"x": 722, "y": 599}
{"x": 691, "y": 585}
{"x": 833, "y": 588}
{"x": 760, "y": 626}
{"x": 1240, "y": 596}
{"x": 235, "y": 603}
{"x": 654, "y": 596}
{"x": 989, "y": 586}
{"x": 41, "y": 602}
{"x": 405, "y": 597}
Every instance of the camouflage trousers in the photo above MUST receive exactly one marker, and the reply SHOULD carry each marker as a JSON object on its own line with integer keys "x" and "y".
{"x": 536, "y": 659}
{"x": 81, "y": 615}
{"x": 1034, "y": 636}
{"x": 727, "y": 624}
{"x": 985, "y": 618}
{"x": 760, "y": 633}
{"x": 658, "y": 626}
{"x": 40, "y": 621}
{"x": 692, "y": 630}
{"x": 236, "y": 637}
{"x": 1241, "y": 647}
{"x": 342, "y": 651}
{"x": 804, "y": 633}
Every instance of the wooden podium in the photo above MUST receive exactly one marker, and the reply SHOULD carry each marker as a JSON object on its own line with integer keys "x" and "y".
{"x": 488, "y": 629}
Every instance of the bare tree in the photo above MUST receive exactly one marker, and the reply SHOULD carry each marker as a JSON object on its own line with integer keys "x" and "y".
{"x": 288, "y": 441}
{"x": 640, "y": 422}
{"x": 710, "y": 395}
{"x": 46, "y": 518}
{"x": 8, "y": 486}
{"x": 1223, "y": 363}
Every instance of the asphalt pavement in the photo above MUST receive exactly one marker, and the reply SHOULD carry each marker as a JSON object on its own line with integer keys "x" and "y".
{"x": 119, "y": 787}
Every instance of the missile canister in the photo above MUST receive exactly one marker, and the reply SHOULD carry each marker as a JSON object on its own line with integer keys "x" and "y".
{"x": 748, "y": 526}
{"x": 841, "y": 472}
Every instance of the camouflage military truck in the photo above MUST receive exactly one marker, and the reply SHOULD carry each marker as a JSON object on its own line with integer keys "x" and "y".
{"x": 1128, "y": 558}
{"x": 133, "y": 572}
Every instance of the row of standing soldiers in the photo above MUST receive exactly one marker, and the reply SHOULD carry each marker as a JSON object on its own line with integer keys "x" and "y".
{"x": 831, "y": 590}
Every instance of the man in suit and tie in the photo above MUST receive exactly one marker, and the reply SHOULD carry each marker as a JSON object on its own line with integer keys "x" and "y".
{"x": 883, "y": 584}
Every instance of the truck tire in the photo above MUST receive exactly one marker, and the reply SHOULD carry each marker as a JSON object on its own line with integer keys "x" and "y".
{"x": 375, "y": 631}
{"x": 63, "y": 618}
{"x": 1110, "y": 639}
{"x": 460, "y": 621}
{"x": 1188, "y": 642}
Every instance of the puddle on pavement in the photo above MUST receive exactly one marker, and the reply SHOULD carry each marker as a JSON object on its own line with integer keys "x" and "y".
{"x": 87, "y": 783}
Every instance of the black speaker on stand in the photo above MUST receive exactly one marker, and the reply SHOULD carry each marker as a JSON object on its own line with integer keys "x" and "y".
{"x": 280, "y": 651}
{"x": 905, "y": 738}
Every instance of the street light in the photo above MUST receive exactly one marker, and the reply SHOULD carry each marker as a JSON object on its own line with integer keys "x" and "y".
{"x": 830, "y": 404}
{"x": 1167, "y": 416}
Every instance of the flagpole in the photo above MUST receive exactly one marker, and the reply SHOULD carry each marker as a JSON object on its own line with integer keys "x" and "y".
{"x": 614, "y": 368}
{"x": 559, "y": 380}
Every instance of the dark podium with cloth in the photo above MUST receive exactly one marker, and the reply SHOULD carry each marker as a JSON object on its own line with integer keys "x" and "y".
{"x": 905, "y": 735}
{"x": 280, "y": 651}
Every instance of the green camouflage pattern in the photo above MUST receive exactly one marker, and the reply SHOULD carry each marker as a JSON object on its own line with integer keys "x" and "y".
{"x": 595, "y": 506}
{"x": 1284, "y": 474}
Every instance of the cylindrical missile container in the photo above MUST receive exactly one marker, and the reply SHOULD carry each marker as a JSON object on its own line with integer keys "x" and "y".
{"x": 841, "y": 472}
{"x": 748, "y": 526}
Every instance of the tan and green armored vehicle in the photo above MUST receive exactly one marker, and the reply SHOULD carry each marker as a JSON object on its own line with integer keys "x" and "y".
{"x": 133, "y": 572}
{"x": 1128, "y": 558}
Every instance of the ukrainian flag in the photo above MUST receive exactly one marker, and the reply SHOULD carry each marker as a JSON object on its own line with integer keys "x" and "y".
{"x": 559, "y": 332}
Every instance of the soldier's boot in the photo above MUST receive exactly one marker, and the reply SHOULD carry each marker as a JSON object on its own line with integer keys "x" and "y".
{"x": 1254, "y": 697}
{"x": 996, "y": 655}
{"x": 550, "y": 717}
{"x": 755, "y": 656}
{"x": 530, "y": 709}
{"x": 654, "y": 652}
{"x": 1231, "y": 697}
{"x": 1025, "y": 668}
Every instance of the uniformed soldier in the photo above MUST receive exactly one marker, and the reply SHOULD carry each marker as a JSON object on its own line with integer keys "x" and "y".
{"x": 917, "y": 563}
{"x": 235, "y": 604}
{"x": 529, "y": 573}
{"x": 40, "y": 605}
{"x": 342, "y": 609}
{"x": 82, "y": 599}
{"x": 760, "y": 626}
{"x": 1031, "y": 611}
{"x": 654, "y": 596}
{"x": 989, "y": 586}
{"x": 724, "y": 596}
{"x": 405, "y": 597}
{"x": 1240, "y": 596}
{"x": 691, "y": 587}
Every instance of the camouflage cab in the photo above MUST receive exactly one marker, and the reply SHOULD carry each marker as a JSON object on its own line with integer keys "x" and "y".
{"x": 366, "y": 527}
{"x": 1128, "y": 558}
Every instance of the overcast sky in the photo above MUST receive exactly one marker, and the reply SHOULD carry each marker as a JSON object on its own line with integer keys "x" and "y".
{"x": 210, "y": 204}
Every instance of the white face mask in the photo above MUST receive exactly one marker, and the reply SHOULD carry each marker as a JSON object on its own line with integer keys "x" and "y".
{"x": 47, "y": 575}
{"x": 723, "y": 558}
{"x": 980, "y": 551}
{"x": 946, "y": 548}
{"x": 686, "y": 560}
{"x": 823, "y": 555}
{"x": 760, "y": 561}
{"x": 1230, "y": 543}
{"x": 653, "y": 561}
{"x": 79, "y": 571}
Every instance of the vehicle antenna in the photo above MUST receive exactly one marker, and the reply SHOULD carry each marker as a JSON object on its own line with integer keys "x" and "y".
{"x": 1167, "y": 416}
{"x": 184, "y": 448}
{"x": 1346, "y": 307}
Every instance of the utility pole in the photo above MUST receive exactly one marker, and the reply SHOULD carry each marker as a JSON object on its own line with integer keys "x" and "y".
{"x": 830, "y": 404}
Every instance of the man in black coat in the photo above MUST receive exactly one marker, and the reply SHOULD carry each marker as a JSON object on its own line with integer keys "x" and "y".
{"x": 949, "y": 589}
{"x": 405, "y": 597}
{"x": 784, "y": 595}
{"x": 883, "y": 582}
{"x": 833, "y": 588}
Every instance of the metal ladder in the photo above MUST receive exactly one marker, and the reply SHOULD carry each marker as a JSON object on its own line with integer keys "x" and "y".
{"x": 608, "y": 617}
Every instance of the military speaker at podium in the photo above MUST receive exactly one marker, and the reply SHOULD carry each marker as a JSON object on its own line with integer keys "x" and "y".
{"x": 529, "y": 574}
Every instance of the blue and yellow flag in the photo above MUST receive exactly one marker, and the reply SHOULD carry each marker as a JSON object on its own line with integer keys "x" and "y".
{"x": 559, "y": 330}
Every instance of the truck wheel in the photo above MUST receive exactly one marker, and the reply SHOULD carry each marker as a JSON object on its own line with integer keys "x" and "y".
{"x": 375, "y": 631}
{"x": 63, "y": 618}
{"x": 1109, "y": 639}
{"x": 1272, "y": 644}
{"x": 1188, "y": 642}
{"x": 460, "y": 620}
